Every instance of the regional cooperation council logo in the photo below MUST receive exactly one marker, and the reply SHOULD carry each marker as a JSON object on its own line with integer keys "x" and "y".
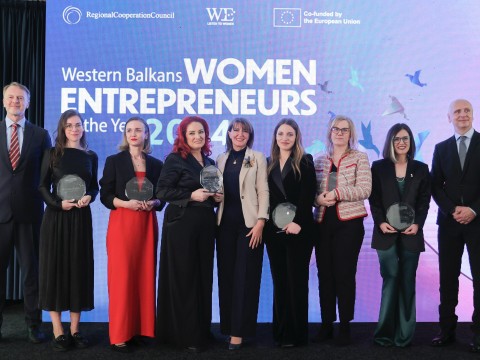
{"x": 287, "y": 17}
{"x": 72, "y": 15}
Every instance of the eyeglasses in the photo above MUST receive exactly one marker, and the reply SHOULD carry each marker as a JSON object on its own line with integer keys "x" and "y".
{"x": 404, "y": 139}
{"x": 76, "y": 126}
{"x": 337, "y": 130}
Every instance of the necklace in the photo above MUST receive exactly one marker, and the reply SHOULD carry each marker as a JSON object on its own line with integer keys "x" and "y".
{"x": 138, "y": 161}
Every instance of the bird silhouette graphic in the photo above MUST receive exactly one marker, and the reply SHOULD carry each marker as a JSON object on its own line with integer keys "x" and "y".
{"x": 316, "y": 147}
{"x": 354, "y": 79}
{"x": 415, "y": 78}
{"x": 332, "y": 114}
{"x": 324, "y": 87}
{"x": 395, "y": 107}
{"x": 419, "y": 140}
{"x": 367, "y": 141}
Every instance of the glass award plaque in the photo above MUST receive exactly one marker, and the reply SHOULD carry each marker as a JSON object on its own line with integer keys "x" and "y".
{"x": 283, "y": 214}
{"x": 71, "y": 187}
{"x": 332, "y": 181}
{"x": 211, "y": 179}
{"x": 139, "y": 189}
{"x": 400, "y": 215}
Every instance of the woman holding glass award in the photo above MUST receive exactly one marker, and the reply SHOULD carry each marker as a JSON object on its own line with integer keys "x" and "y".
{"x": 68, "y": 185}
{"x": 184, "y": 311}
{"x": 127, "y": 189}
{"x": 399, "y": 204}
{"x": 241, "y": 218}
{"x": 292, "y": 186}
{"x": 344, "y": 181}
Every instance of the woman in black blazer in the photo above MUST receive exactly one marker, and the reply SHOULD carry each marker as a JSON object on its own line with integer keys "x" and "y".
{"x": 132, "y": 237}
{"x": 291, "y": 178}
{"x": 398, "y": 178}
{"x": 184, "y": 311}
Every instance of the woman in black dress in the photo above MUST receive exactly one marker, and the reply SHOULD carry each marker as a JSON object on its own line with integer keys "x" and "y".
{"x": 66, "y": 242}
{"x": 291, "y": 179}
{"x": 184, "y": 311}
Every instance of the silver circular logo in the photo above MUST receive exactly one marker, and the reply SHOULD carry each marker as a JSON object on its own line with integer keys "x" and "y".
{"x": 72, "y": 15}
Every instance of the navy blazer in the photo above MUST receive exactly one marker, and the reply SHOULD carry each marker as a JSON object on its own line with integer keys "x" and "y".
{"x": 119, "y": 170}
{"x": 19, "y": 195}
{"x": 385, "y": 192}
{"x": 452, "y": 186}
{"x": 298, "y": 190}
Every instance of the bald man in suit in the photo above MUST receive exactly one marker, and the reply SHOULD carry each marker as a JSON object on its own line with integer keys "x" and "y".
{"x": 22, "y": 145}
{"x": 456, "y": 190}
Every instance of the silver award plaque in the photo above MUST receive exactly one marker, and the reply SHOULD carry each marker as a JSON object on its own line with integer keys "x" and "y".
{"x": 283, "y": 214}
{"x": 400, "y": 215}
{"x": 71, "y": 187}
{"x": 211, "y": 179}
{"x": 139, "y": 189}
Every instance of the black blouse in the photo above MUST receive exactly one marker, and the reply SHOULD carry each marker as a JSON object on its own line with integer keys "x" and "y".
{"x": 73, "y": 162}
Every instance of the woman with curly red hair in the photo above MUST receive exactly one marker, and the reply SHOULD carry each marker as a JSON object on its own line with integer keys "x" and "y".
{"x": 184, "y": 309}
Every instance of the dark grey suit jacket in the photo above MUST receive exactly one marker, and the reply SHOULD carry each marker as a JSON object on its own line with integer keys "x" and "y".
{"x": 452, "y": 186}
{"x": 19, "y": 196}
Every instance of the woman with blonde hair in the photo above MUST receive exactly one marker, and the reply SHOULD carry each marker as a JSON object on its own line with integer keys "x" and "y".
{"x": 344, "y": 181}
{"x": 132, "y": 237}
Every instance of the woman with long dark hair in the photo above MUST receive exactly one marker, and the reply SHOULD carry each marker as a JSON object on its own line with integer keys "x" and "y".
{"x": 241, "y": 218}
{"x": 66, "y": 240}
{"x": 132, "y": 237}
{"x": 291, "y": 179}
{"x": 184, "y": 311}
{"x": 398, "y": 179}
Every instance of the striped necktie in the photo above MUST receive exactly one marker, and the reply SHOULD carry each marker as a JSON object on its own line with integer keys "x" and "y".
{"x": 14, "y": 147}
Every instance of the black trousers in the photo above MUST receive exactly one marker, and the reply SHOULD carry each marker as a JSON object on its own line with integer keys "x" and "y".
{"x": 336, "y": 251}
{"x": 184, "y": 311}
{"x": 239, "y": 269}
{"x": 289, "y": 263}
{"x": 25, "y": 238}
{"x": 452, "y": 239}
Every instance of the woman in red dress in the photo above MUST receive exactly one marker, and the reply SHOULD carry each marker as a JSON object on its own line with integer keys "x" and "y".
{"x": 132, "y": 237}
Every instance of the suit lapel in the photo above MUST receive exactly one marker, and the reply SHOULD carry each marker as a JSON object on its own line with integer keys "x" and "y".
{"x": 244, "y": 170}
{"x": 474, "y": 142}
{"x": 3, "y": 141}
{"x": 277, "y": 179}
{"x": 128, "y": 160}
{"x": 222, "y": 159}
{"x": 391, "y": 178}
{"x": 408, "y": 178}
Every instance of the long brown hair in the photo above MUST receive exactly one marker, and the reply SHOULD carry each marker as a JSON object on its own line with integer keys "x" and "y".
{"x": 297, "y": 149}
{"x": 61, "y": 139}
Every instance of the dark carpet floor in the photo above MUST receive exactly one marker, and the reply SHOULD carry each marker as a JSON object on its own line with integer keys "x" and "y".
{"x": 15, "y": 346}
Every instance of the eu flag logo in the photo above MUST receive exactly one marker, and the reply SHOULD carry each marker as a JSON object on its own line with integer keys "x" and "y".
{"x": 287, "y": 17}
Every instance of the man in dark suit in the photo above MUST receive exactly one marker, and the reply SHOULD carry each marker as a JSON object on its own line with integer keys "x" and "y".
{"x": 456, "y": 190}
{"x": 22, "y": 145}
